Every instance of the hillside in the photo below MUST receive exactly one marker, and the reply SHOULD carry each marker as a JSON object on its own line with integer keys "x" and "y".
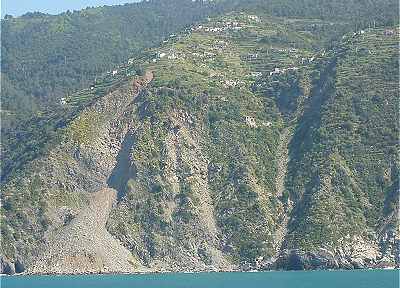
{"x": 45, "y": 57}
{"x": 239, "y": 143}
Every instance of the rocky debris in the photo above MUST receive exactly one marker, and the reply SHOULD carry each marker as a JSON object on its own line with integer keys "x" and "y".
{"x": 6, "y": 267}
{"x": 143, "y": 81}
{"x": 72, "y": 171}
{"x": 282, "y": 165}
{"x": 190, "y": 242}
{"x": 84, "y": 245}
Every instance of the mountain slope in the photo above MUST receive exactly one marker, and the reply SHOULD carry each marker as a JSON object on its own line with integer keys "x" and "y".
{"x": 344, "y": 157}
{"x": 237, "y": 144}
{"x": 45, "y": 57}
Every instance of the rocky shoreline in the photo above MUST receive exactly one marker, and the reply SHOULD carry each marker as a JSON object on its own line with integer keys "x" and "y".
{"x": 186, "y": 272}
{"x": 293, "y": 263}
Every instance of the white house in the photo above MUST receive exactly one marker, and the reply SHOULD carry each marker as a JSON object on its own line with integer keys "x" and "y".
{"x": 276, "y": 71}
{"x": 254, "y": 18}
{"x": 251, "y": 122}
{"x": 256, "y": 74}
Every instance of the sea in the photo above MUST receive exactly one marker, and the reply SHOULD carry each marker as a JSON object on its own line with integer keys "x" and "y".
{"x": 298, "y": 279}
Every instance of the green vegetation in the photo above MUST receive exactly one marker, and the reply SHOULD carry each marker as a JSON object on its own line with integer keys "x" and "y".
{"x": 243, "y": 115}
{"x": 65, "y": 53}
{"x": 83, "y": 129}
{"x": 344, "y": 159}
{"x": 206, "y": 138}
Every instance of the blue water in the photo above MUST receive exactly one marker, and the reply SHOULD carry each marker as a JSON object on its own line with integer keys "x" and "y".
{"x": 316, "y": 279}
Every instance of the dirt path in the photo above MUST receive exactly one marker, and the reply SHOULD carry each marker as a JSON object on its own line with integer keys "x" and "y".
{"x": 84, "y": 245}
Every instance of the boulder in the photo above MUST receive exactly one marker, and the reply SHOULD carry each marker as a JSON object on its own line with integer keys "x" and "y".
{"x": 6, "y": 267}
{"x": 19, "y": 266}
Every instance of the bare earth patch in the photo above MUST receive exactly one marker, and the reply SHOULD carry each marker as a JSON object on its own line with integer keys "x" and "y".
{"x": 84, "y": 245}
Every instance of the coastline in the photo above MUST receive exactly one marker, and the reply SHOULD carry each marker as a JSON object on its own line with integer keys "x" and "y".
{"x": 195, "y": 272}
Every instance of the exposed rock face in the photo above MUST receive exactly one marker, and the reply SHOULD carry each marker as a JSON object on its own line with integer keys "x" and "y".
{"x": 10, "y": 268}
{"x": 6, "y": 267}
{"x": 188, "y": 237}
{"x": 19, "y": 266}
{"x": 324, "y": 259}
